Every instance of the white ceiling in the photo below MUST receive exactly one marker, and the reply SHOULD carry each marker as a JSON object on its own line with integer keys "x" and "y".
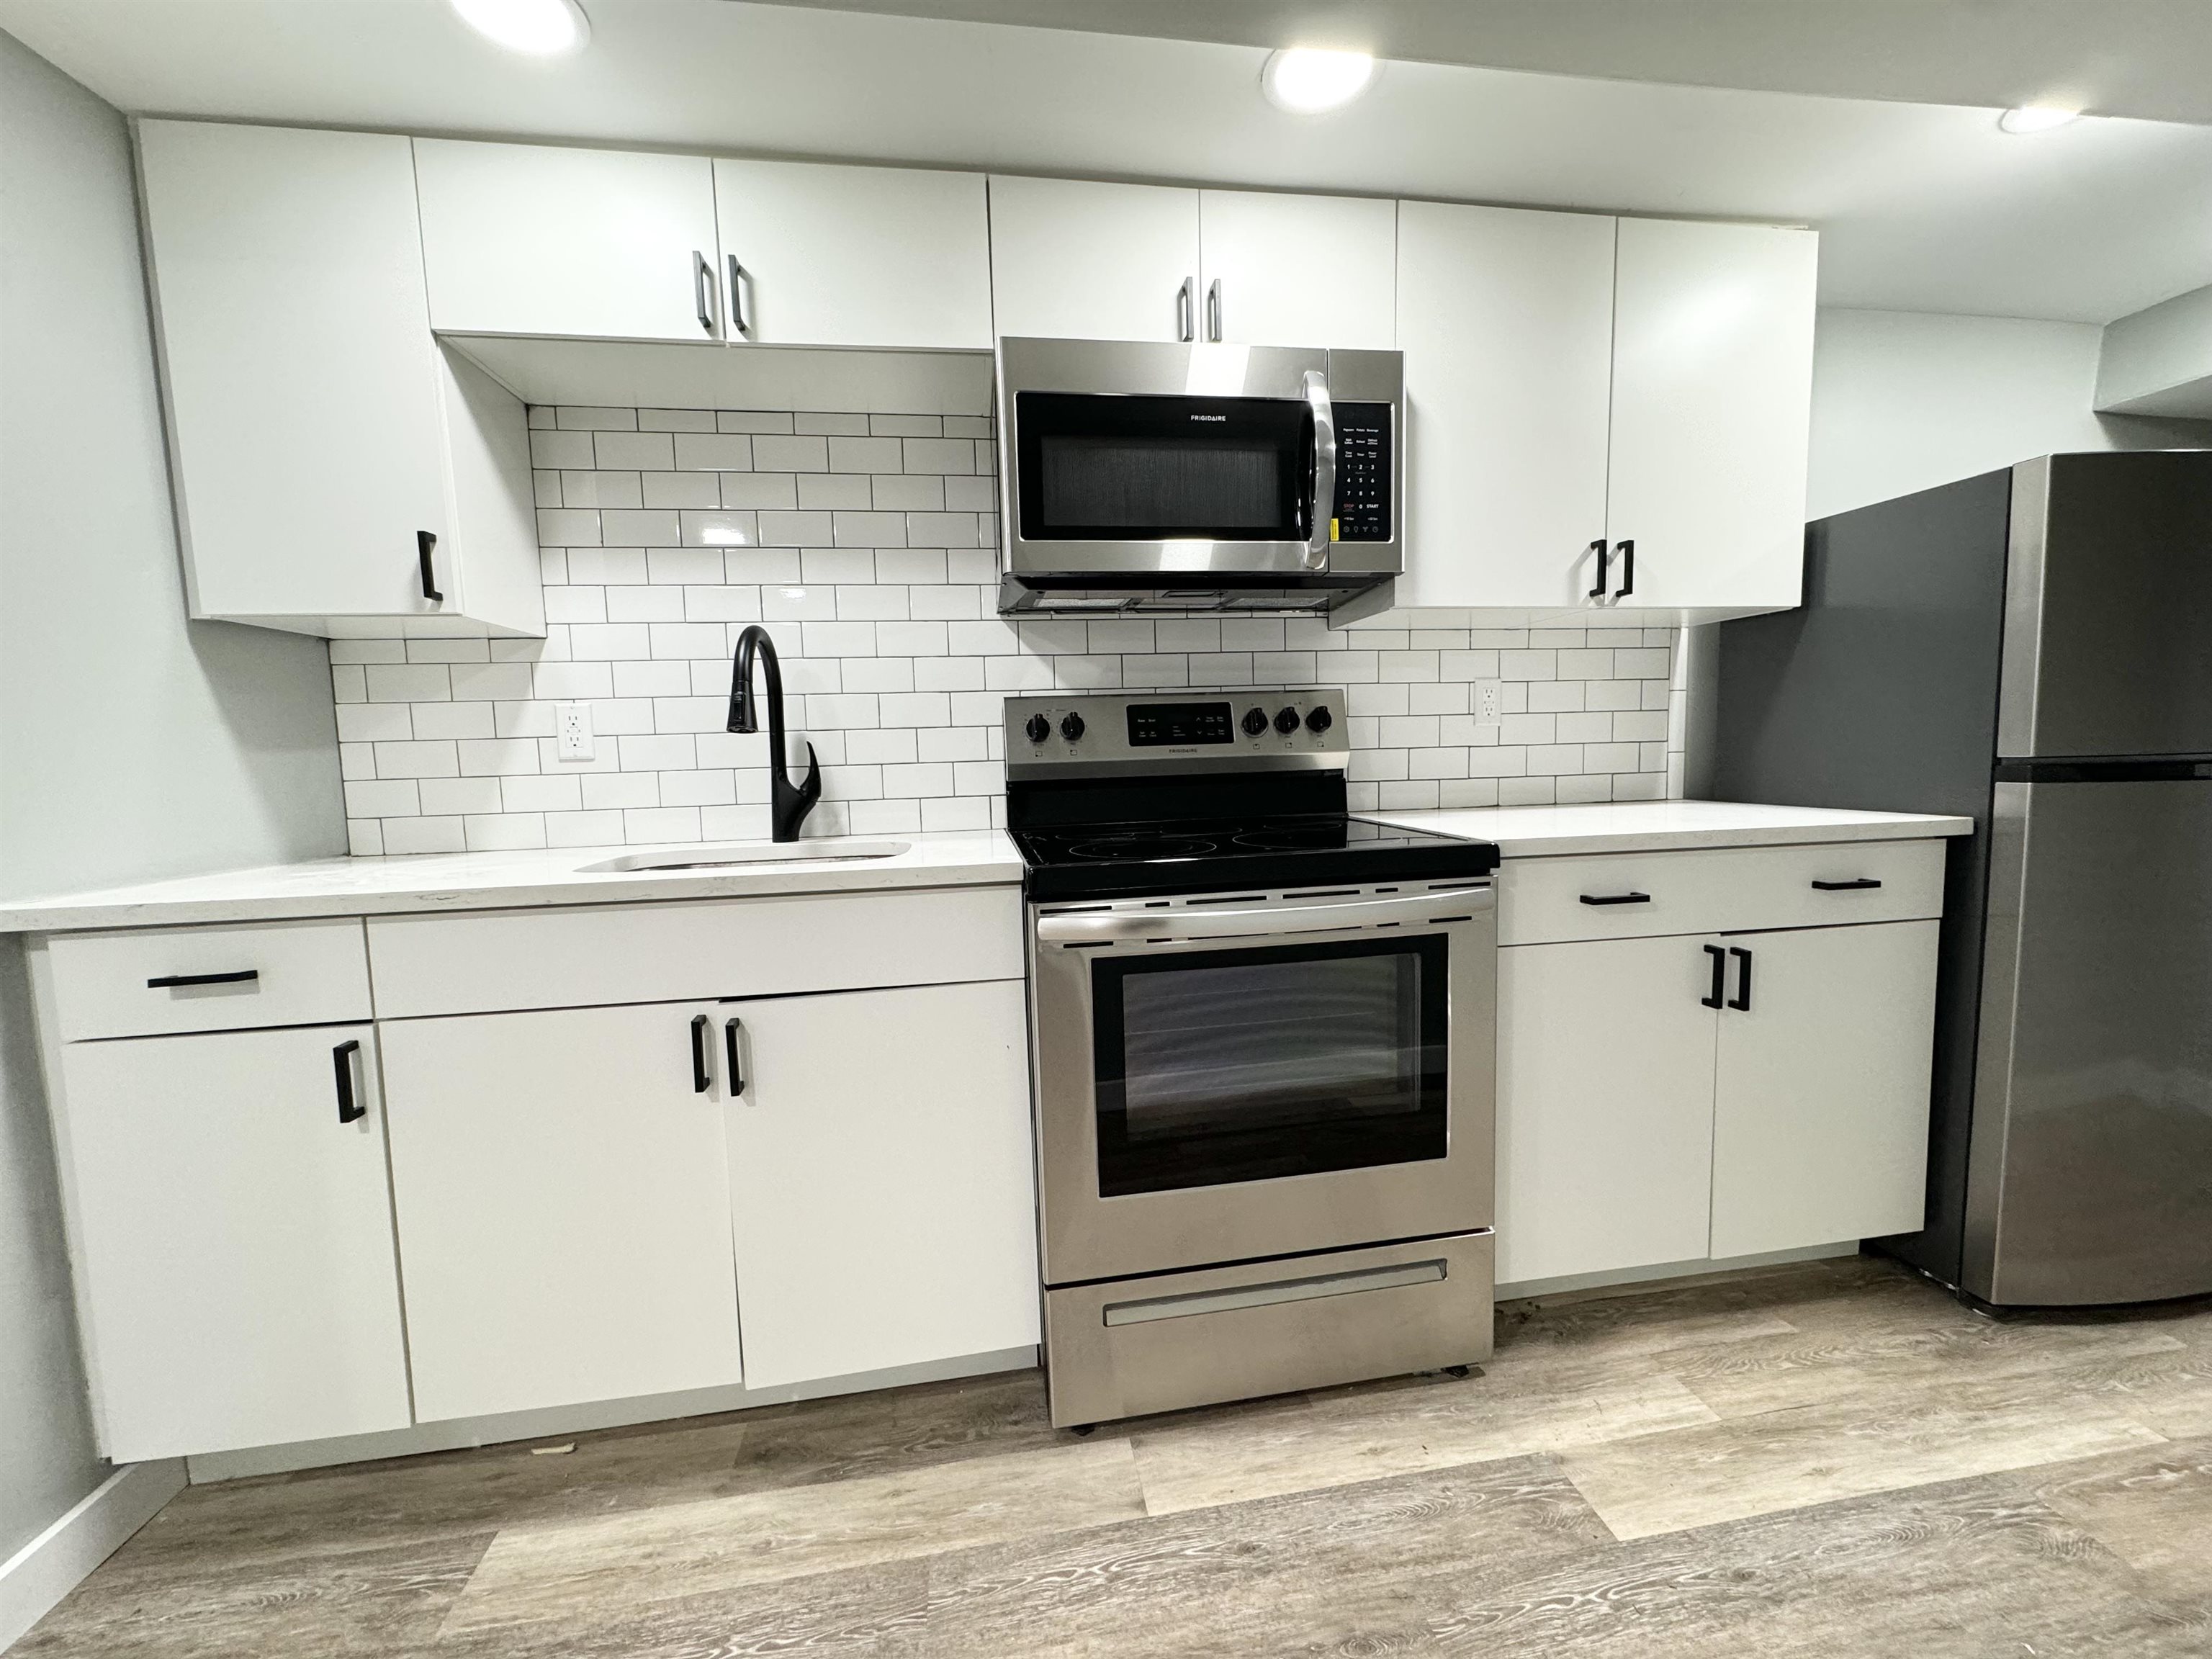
{"x": 1923, "y": 207}
{"x": 2151, "y": 59}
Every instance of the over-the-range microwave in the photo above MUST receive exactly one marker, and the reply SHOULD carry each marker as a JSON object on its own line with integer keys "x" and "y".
{"x": 1158, "y": 478}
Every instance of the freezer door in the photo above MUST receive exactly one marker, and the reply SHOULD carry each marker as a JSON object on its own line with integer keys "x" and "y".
{"x": 2108, "y": 606}
{"x": 2091, "y": 1160}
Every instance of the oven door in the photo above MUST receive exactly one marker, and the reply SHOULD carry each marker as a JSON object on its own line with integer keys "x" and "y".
{"x": 1141, "y": 459}
{"x": 1224, "y": 1081}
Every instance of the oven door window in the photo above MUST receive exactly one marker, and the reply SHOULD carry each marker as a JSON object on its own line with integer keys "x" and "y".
{"x": 1257, "y": 1063}
{"x": 1154, "y": 468}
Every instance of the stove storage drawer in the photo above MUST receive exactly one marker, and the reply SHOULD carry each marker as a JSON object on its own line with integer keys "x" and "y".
{"x": 492, "y": 961}
{"x": 1551, "y": 901}
{"x": 1131, "y": 1346}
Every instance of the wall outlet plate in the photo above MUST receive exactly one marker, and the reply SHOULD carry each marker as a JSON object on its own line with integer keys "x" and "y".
{"x": 572, "y": 723}
{"x": 1488, "y": 695}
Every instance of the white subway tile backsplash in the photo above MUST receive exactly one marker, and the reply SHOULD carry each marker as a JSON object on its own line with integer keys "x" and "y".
{"x": 868, "y": 544}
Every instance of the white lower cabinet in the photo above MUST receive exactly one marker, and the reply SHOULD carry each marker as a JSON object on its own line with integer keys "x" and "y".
{"x": 1605, "y": 1125}
{"x": 1641, "y": 1124}
{"x": 880, "y": 1179}
{"x": 564, "y": 1206}
{"x": 1821, "y": 1121}
{"x": 233, "y": 1228}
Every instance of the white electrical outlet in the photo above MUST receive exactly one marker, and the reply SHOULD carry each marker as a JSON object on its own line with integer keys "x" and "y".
{"x": 1488, "y": 693}
{"x": 571, "y": 721}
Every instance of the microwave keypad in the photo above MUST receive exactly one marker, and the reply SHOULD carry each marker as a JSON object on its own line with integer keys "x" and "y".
{"x": 1362, "y": 473}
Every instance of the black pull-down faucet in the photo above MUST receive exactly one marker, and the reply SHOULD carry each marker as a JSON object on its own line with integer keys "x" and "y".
{"x": 789, "y": 803}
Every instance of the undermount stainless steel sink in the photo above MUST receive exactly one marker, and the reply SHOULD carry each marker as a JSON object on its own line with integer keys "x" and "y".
{"x": 714, "y": 855}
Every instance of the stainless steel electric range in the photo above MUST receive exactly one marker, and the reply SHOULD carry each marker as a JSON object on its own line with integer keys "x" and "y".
{"x": 1262, "y": 1037}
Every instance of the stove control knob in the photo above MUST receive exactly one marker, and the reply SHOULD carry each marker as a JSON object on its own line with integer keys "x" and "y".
{"x": 1071, "y": 727}
{"x": 1039, "y": 729}
{"x": 1320, "y": 721}
{"x": 1256, "y": 721}
{"x": 1287, "y": 721}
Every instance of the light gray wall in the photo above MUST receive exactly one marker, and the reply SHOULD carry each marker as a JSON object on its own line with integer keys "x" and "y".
{"x": 1904, "y": 400}
{"x": 133, "y": 744}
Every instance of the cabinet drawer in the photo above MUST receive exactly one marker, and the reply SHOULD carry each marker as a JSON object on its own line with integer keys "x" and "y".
{"x": 1546, "y": 901}
{"x": 153, "y": 981}
{"x": 591, "y": 956}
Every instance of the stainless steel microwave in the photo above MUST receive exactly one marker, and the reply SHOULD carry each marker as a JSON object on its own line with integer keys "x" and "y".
{"x": 1191, "y": 478}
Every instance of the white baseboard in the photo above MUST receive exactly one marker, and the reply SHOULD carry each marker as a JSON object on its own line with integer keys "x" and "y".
{"x": 1626, "y": 1277}
{"x": 35, "y": 1579}
{"x": 464, "y": 1433}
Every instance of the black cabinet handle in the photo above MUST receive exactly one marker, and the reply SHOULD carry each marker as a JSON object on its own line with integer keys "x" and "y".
{"x": 1627, "y": 569}
{"x": 1741, "y": 1000}
{"x": 1713, "y": 998}
{"x": 730, "y": 1048}
{"x": 1598, "y": 548}
{"x": 700, "y": 1080}
{"x": 737, "y": 299}
{"x": 1616, "y": 898}
{"x": 424, "y": 541}
{"x": 167, "y": 982}
{"x": 350, "y": 1107}
{"x": 702, "y": 290}
{"x": 1846, "y": 886}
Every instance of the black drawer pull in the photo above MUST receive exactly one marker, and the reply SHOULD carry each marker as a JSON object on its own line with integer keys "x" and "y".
{"x": 350, "y": 1107}
{"x": 1846, "y": 886}
{"x": 170, "y": 982}
{"x": 1616, "y": 898}
{"x": 1741, "y": 1000}
{"x": 1713, "y": 998}
{"x": 700, "y": 1080}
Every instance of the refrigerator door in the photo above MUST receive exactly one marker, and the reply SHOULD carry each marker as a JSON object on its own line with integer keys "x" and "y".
{"x": 2108, "y": 606}
{"x": 2090, "y": 1167}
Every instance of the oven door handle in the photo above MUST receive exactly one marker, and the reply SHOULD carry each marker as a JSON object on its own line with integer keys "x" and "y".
{"x": 1324, "y": 470}
{"x": 1109, "y": 927}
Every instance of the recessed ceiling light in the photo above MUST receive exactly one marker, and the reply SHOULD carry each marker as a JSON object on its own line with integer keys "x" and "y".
{"x": 1307, "y": 79}
{"x": 2037, "y": 118}
{"x": 543, "y": 28}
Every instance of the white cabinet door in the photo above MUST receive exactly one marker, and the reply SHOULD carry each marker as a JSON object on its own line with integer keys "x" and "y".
{"x": 1605, "y": 1110}
{"x": 563, "y": 1210}
{"x": 1505, "y": 318}
{"x": 854, "y": 256}
{"x": 304, "y": 419}
{"x": 1712, "y": 376}
{"x": 235, "y": 1238}
{"x": 1820, "y": 1133}
{"x": 1080, "y": 261}
{"x": 529, "y": 239}
{"x": 880, "y": 1170}
{"x": 1298, "y": 270}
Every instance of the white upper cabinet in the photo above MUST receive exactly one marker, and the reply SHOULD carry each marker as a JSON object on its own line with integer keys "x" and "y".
{"x": 527, "y": 238}
{"x": 840, "y": 256}
{"x": 333, "y": 468}
{"x": 1075, "y": 260}
{"x": 881, "y": 1178}
{"x": 1713, "y": 387}
{"x": 1298, "y": 270}
{"x": 1505, "y": 318}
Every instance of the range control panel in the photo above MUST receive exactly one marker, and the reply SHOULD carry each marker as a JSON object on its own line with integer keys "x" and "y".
{"x": 1160, "y": 732}
{"x": 1362, "y": 473}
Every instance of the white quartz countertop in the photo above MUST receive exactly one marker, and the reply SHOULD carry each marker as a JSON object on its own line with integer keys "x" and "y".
{"x": 1653, "y": 825}
{"x": 493, "y": 881}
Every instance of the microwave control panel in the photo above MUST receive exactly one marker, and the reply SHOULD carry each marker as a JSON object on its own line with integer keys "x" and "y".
{"x": 1362, "y": 473}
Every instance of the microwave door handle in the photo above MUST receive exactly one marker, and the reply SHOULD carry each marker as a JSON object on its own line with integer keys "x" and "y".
{"x": 1324, "y": 469}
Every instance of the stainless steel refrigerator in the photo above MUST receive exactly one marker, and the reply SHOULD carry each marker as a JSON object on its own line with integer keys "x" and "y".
{"x": 2032, "y": 648}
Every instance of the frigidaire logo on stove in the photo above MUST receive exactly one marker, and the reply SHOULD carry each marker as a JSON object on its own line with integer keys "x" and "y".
{"x": 1210, "y": 418}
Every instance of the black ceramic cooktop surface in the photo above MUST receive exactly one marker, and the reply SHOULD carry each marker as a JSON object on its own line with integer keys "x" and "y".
{"x": 1125, "y": 859}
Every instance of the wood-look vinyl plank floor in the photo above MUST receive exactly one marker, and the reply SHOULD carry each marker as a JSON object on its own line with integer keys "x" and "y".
{"x": 1816, "y": 1461}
